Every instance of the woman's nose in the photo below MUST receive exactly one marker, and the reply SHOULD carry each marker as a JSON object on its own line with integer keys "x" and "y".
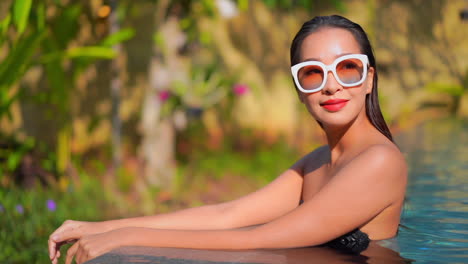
{"x": 332, "y": 85}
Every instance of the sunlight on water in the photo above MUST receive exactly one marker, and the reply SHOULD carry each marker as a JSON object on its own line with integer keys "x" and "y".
{"x": 434, "y": 225}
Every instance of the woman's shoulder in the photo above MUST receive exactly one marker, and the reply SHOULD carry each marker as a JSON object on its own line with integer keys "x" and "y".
{"x": 384, "y": 152}
{"x": 383, "y": 161}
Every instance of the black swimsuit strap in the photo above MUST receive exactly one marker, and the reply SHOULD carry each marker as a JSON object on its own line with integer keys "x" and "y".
{"x": 353, "y": 242}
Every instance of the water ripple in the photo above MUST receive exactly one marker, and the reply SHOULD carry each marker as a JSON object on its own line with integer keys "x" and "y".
{"x": 434, "y": 226}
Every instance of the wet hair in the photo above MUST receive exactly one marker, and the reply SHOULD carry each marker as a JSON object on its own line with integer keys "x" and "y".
{"x": 373, "y": 112}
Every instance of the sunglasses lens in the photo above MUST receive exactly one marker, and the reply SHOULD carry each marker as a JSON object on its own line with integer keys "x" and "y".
{"x": 310, "y": 77}
{"x": 350, "y": 71}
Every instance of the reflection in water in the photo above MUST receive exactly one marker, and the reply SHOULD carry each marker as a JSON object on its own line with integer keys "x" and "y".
{"x": 435, "y": 219}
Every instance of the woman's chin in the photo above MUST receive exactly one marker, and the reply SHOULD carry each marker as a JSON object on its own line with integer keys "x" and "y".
{"x": 335, "y": 120}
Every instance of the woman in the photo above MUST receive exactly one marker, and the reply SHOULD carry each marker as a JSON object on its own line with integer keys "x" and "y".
{"x": 353, "y": 185}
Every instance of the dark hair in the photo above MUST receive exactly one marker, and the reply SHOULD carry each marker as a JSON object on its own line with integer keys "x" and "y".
{"x": 373, "y": 112}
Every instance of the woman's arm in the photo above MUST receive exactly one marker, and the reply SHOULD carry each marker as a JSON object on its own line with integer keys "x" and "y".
{"x": 357, "y": 193}
{"x": 252, "y": 209}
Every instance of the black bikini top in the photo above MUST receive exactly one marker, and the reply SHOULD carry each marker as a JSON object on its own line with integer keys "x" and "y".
{"x": 353, "y": 242}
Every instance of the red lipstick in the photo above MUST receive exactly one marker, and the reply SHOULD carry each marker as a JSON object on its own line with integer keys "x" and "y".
{"x": 334, "y": 105}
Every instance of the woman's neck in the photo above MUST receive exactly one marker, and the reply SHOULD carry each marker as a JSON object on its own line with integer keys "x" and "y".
{"x": 349, "y": 138}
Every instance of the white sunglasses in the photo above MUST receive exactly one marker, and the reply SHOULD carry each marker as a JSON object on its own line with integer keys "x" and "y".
{"x": 349, "y": 70}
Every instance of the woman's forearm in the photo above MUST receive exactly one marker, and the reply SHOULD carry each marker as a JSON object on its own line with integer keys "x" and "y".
{"x": 195, "y": 239}
{"x": 198, "y": 218}
{"x": 245, "y": 211}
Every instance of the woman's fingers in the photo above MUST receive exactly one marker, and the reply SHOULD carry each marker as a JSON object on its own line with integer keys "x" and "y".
{"x": 71, "y": 253}
{"x": 53, "y": 244}
{"x": 52, "y": 248}
{"x": 68, "y": 232}
{"x": 79, "y": 251}
{"x": 55, "y": 259}
{"x": 57, "y": 254}
{"x": 81, "y": 255}
{"x": 53, "y": 238}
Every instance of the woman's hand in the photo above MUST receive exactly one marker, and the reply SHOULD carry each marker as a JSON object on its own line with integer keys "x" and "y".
{"x": 71, "y": 231}
{"x": 91, "y": 246}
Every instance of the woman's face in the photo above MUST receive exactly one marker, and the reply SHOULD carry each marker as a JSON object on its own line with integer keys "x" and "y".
{"x": 326, "y": 45}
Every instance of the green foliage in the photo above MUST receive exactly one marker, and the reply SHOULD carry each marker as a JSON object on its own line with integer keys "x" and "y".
{"x": 338, "y": 4}
{"x": 124, "y": 180}
{"x": 262, "y": 163}
{"x": 13, "y": 152}
{"x": 34, "y": 38}
{"x": 5, "y": 103}
{"x": 207, "y": 87}
{"x": 243, "y": 5}
{"x": 13, "y": 67}
{"x": 64, "y": 27}
{"x": 288, "y": 5}
{"x": 13, "y": 157}
{"x": 118, "y": 37}
{"x": 93, "y": 52}
{"x": 4, "y": 24}
{"x": 27, "y": 218}
{"x": 445, "y": 88}
{"x": 21, "y": 10}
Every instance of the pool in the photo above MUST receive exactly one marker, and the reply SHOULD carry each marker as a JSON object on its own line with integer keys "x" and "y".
{"x": 434, "y": 226}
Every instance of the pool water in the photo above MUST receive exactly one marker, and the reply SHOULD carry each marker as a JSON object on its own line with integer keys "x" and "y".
{"x": 434, "y": 226}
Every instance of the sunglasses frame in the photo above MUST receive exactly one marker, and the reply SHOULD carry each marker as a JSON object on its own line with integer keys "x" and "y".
{"x": 332, "y": 67}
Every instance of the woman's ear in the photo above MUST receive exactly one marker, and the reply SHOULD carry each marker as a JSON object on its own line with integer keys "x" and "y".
{"x": 370, "y": 80}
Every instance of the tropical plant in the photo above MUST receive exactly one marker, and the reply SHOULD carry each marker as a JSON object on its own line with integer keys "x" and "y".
{"x": 46, "y": 37}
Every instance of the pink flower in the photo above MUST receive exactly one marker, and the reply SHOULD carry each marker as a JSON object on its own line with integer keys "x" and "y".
{"x": 240, "y": 89}
{"x": 164, "y": 95}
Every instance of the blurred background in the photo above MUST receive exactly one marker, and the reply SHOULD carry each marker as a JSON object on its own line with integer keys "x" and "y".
{"x": 121, "y": 108}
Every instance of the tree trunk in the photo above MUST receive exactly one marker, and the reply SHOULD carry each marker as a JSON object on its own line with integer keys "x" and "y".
{"x": 158, "y": 132}
{"x": 116, "y": 84}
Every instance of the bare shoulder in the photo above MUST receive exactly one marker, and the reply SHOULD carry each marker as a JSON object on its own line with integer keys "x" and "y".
{"x": 384, "y": 162}
{"x": 383, "y": 155}
{"x": 385, "y": 148}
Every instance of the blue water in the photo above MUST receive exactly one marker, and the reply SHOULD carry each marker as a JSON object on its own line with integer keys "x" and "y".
{"x": 434, "y": 226}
